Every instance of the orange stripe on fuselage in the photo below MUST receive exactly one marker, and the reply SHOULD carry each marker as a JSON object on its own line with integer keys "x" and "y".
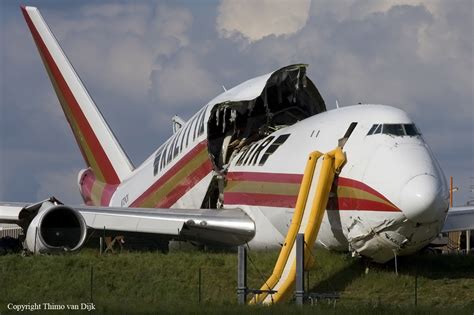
{"x": 266, "y": 189}
{"x": 179, "y": 179}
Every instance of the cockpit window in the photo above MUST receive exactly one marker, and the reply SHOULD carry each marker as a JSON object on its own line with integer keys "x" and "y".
{"x": 411, "y": 130}
{"x": 378, "y": 129}
{"x": 394, "y": 129}
{"x": 371, "y": 131}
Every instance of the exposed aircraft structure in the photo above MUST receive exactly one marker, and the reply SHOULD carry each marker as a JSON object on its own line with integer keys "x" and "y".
{"x": 231, "y": 173}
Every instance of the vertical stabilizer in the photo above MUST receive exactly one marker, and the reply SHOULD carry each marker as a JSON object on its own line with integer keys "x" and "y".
{"x": 100, "y": 149}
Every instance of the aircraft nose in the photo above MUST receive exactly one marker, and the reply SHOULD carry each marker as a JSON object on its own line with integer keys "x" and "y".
{"x": 422, "y": 199}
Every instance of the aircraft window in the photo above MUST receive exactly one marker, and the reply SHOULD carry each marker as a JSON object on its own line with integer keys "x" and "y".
{"x": 378, "y": 130}
{"x": 371, "y": 131}
{"x": 411, "y": 130}
{"x": 394, "y": 129}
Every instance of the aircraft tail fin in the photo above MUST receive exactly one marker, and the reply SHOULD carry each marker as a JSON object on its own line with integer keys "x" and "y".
{"x": 99, "y": 147}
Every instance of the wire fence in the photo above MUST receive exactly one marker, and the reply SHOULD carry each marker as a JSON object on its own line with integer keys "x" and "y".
{"x": 128, "y": 283}
{"x": 99, "y": 285}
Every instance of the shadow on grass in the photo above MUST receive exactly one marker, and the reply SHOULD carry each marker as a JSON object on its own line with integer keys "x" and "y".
{"x": 338, "y": 280}
{"x": 431, "y": 266}
{"x": 434, "y": 266}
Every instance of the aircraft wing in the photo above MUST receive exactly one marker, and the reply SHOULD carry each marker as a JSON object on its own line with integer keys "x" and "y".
{"x": 459, "y": 219}
{"x": 223, "y": 227}
{"x": 50, "y": 225}
{"x": 10, "y": 212}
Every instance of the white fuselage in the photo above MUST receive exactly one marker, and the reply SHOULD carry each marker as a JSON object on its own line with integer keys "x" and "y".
{"x": 392, "y": 194}
{"x": 398, "y": 167}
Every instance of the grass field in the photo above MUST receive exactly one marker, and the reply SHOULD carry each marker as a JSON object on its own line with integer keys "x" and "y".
{"x": 167, "y": 284}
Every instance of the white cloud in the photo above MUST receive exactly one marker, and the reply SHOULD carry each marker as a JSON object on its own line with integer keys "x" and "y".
{"x": 113, "y": 10}
{"x": 114, "y": 46}
{"x": 182, "y": 81}
{"x": 169, "y": 29}
{"x": 255, "y": 19}
{"x": 384, "y": 6}
{"x": 360, "y": 9}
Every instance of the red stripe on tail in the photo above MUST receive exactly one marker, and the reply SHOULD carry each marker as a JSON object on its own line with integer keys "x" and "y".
{"x": 110, "y": 176}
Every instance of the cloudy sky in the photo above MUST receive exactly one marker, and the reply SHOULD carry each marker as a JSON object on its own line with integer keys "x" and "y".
{"x": 145, "y": 61}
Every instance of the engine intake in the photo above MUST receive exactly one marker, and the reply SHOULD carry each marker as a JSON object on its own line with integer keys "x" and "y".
{"x": 56, "y": 227}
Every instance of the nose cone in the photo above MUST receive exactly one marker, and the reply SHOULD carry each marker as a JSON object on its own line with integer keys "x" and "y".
{"x": 422, "y": 199}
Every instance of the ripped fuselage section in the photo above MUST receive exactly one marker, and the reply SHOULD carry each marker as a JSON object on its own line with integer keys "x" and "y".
{"x": 242, "y": 128}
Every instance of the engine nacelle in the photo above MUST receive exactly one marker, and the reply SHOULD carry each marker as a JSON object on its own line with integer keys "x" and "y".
{"x": 55, "y": 228}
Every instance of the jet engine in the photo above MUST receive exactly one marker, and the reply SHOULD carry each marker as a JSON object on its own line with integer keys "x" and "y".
{"x": 55, "y": 227}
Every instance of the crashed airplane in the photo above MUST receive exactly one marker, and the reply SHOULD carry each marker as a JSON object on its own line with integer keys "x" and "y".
{"x": 231, "y": 174}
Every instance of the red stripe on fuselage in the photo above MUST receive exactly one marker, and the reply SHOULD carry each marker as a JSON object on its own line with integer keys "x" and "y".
{"x": 289, "y": 201}
{"x": 265, "y": 177}
{"x": 344, "y": 203}
{"x": 163, "y": 179}
{"x": 347, "y": 182}
{"x": 101, "y": 158}
{"x": 184, "y": 186}
{"x": 267, "y": 200}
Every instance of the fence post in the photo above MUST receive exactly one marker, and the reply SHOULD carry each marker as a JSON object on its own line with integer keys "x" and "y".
{"x": 242, "y": 275}
{"x": 416, "y": 287}
{"x": 36, "y": 237}
{"x": 396, "y": 262}
{"x": 92, "y": 282}
{"x": 468, "y": 241}
{"x": 199, "y": 287}
{"x": 102, "y": 243}
{"x": 307, "y": 281}
{"x": 299, "y": 292}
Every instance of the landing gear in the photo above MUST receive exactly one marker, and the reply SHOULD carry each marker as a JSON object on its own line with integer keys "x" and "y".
{"x": 130, "y": 243}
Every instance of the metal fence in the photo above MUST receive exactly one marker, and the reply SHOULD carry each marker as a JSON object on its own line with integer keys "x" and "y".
{"x": 106, "y": 281}
{"x": 11, "y": 230}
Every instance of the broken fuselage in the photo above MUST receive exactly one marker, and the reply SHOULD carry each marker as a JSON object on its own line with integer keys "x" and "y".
{"x": 247, "y": 148}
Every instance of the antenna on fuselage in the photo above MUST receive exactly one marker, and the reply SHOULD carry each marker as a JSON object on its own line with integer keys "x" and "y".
{"x": 337, "y": 104}
{"x": 178, "y": 122}
{"x": 225, "y": 90}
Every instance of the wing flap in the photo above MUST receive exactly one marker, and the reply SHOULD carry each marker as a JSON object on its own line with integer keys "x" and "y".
{"x": 127, "y": 221}
{"x": 459, "y": 219}
{"x": 10, "y": 211}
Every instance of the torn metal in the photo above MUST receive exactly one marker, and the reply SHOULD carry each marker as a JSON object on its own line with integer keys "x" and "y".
{"x": 382, "y": 240}
{"x": 252, "y": 111}
{"x": 286, "y": 97}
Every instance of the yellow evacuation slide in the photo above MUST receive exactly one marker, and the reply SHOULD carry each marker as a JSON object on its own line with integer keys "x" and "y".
{"x": 309, "y": 211}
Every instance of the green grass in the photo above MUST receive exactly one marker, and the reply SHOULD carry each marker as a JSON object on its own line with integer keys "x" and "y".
{"x": 168, "y": 284}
